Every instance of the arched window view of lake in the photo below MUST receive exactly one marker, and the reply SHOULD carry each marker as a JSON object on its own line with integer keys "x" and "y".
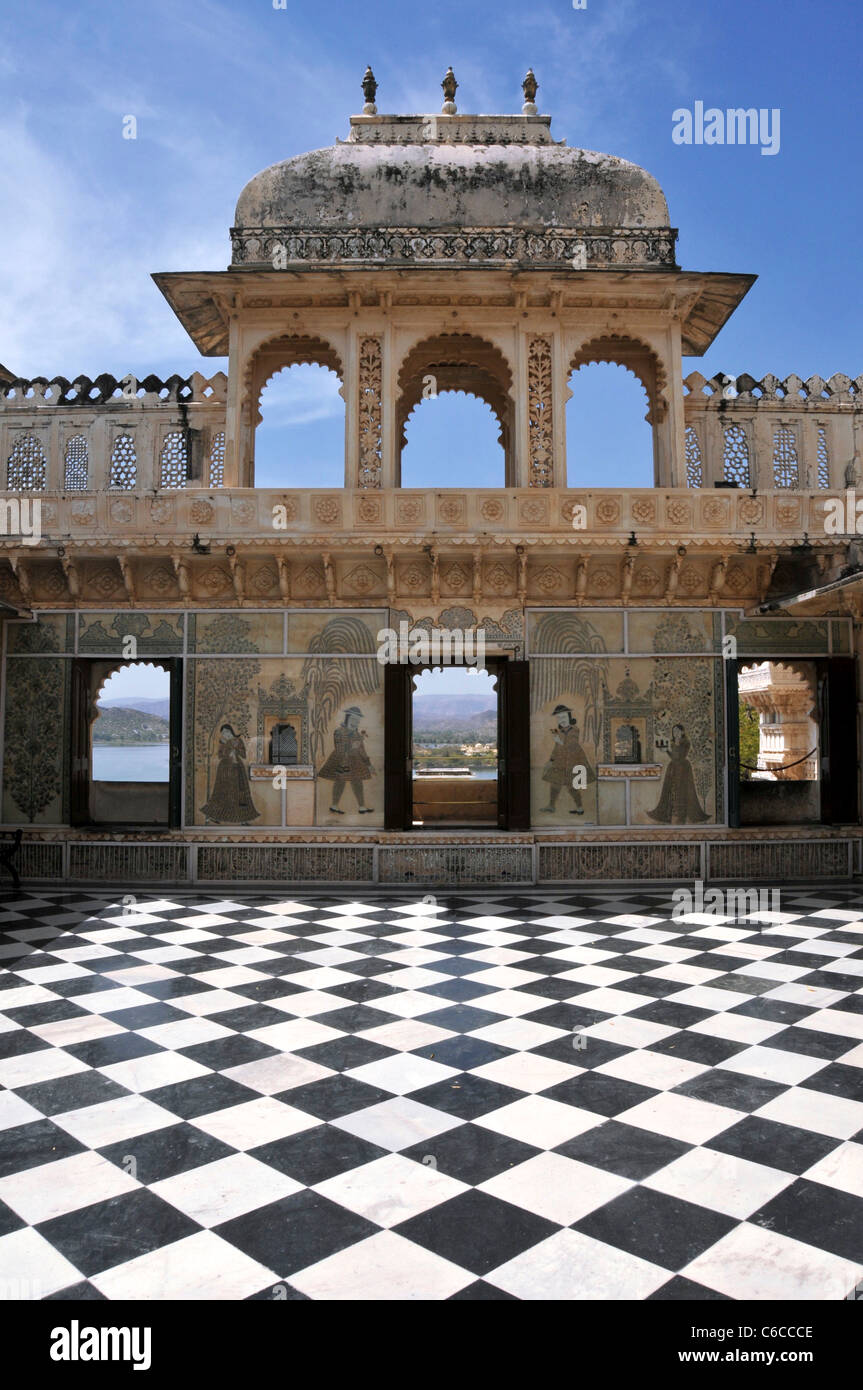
{"x": 131, "y": 732}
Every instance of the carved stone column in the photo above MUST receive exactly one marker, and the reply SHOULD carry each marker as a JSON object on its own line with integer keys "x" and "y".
{"x": 369, "y": 412}
{"x": 233, "y": 476}
{"x": 761, "y": 450}
{"x": 540, "y": 413}
{"x": 669, "y": 433}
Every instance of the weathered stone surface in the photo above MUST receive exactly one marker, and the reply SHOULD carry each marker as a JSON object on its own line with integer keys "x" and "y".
{"x": 437, "y": 182}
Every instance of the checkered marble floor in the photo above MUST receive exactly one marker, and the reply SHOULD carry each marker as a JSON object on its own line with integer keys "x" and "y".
{"x": 516, "y": 1094}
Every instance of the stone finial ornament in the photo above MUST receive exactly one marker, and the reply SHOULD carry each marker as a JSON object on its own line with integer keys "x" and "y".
{"x": 529, "y": 87}
{"x": 449, "y": 86}
{"x": 370, "y": 91}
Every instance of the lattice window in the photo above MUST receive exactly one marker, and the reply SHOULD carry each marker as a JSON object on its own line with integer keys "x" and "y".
{"x": 823, "y": 458}
{"x": 75, "y": 464}
{"x": 27, "y": 468}
{"x": 786, "y": 470}
{"x": 174, "y": 460}
{"x": 217, "y": 460}
{"x": 736, "y": 457}
{"x": 694, "y": 464}
{"x": 124, "y": 463}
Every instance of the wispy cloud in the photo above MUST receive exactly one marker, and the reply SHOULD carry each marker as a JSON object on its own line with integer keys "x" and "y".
{"x": 299, "y": 395}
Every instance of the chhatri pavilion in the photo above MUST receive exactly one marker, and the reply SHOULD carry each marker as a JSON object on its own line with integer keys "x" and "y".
{"x": 621, "y": 625}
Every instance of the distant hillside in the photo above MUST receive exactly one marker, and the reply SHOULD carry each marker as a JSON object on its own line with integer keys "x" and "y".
{"x": 432, "y": 707}
{"x": 454, "y": 719}
{"x": 143, "y": 703}
{"x": 118, "y": 724}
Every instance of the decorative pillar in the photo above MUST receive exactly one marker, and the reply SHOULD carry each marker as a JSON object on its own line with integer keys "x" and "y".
{"x": 369, "y": 413}
{"x": 99, "y": 444}
{"x": 761, "y": 450}
{"x": 559, "y": 398}
{"x": 233, "y": 408}
{"x": 806, "y": 435}
{"x": 540, "y": 413}
{"x": 670, "y": 433}
{"x": 712, "y": 440}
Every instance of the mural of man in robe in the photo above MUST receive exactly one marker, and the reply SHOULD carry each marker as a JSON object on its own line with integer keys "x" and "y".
{"x": 567, "y": 757}
{"x": 231, "y": 802}
{"x": 678, "y": 802}
{"x": 349, "y": 762}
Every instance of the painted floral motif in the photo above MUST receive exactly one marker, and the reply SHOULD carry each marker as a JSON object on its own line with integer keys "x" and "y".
{"x": 34, "y": 743}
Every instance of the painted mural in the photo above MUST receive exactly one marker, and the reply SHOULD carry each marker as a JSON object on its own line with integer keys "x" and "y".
{"x": 284, "y": 710}
{"x": 286, "y": 740}
{"x": 625, "y": 740}
{"x": 108, "y": 633}
{"x": 54, "y": 632}
{"x": 568, "y": 765}
{"x": 35, "y": 765}
{"x": 567, "y": 713}
{"x": 230, "y": 801}
{"x": 231, "y": 632}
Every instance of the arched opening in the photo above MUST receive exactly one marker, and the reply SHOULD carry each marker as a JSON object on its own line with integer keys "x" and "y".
{"x": 452, "y": 440}
{"x": 294, "y": 416}
{"x": 610, "y": 440}
{"x": 455, "y": 414}
{"x": 125, "y": 739}
{"x": 129, "y": 753}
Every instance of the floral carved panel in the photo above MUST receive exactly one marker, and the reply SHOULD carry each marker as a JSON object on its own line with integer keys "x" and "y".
{"x": 540, "y": 430}
{"x": 370, "y": 412}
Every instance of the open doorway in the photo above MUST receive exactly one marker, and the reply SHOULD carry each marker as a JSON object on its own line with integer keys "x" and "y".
{"x": 125, "y": 743}
{"x": 792, "y": 741}
{"x": 454, "y": 749}
{"x": 438, "y": 796}
{"x": 780, "y": 778}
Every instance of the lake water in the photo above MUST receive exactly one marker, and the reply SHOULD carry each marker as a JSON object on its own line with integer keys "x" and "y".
{"x": 482, "y": 774}
{"x": 130, "y": 762}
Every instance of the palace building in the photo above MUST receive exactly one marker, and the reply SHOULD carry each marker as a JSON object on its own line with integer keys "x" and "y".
{"x": 626, "y": 629}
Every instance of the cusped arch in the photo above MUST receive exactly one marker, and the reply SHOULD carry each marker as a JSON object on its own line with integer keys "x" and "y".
{"x": 108, "y": 668}
{"x": 636, "y": 357}
{"x": 120, "y": 664}
{"x": 285, "y": 350}
{"x": 463, "y": 363}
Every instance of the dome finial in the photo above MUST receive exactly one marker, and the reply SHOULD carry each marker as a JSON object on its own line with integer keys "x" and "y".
{"x": 370, "y": 90}
{"x": 529, "y": 87}
{"x": 449, "y": 85}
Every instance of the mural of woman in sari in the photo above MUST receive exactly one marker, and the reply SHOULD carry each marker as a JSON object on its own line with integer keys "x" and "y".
{"x": 231, "y": 802}
{"x": 678, "y": 802}
{"x": 349, "y": 762}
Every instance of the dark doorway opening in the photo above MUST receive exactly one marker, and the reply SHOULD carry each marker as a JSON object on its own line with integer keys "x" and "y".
{"x": 792, "y": 739}
{"x": 494, "y": 791}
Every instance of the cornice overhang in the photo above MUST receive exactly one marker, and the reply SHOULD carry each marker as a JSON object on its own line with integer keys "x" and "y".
{"x": 703, "y": 300}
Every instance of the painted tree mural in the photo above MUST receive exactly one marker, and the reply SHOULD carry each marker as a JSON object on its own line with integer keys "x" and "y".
{"x": 33, "y": 751}
{"x": 565, "y": 633}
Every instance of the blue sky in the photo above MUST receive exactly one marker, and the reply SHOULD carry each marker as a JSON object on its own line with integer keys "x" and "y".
{"x": 221, "y": 90}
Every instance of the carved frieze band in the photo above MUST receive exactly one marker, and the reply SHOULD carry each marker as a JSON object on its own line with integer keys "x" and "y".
{"x": 540, "y": 427}
{"x": 558, "y": 248}
{"x": 370, "y": 413}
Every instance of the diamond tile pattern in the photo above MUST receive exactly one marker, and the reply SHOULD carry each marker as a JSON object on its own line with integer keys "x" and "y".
{"x": 537, "y": 1094}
